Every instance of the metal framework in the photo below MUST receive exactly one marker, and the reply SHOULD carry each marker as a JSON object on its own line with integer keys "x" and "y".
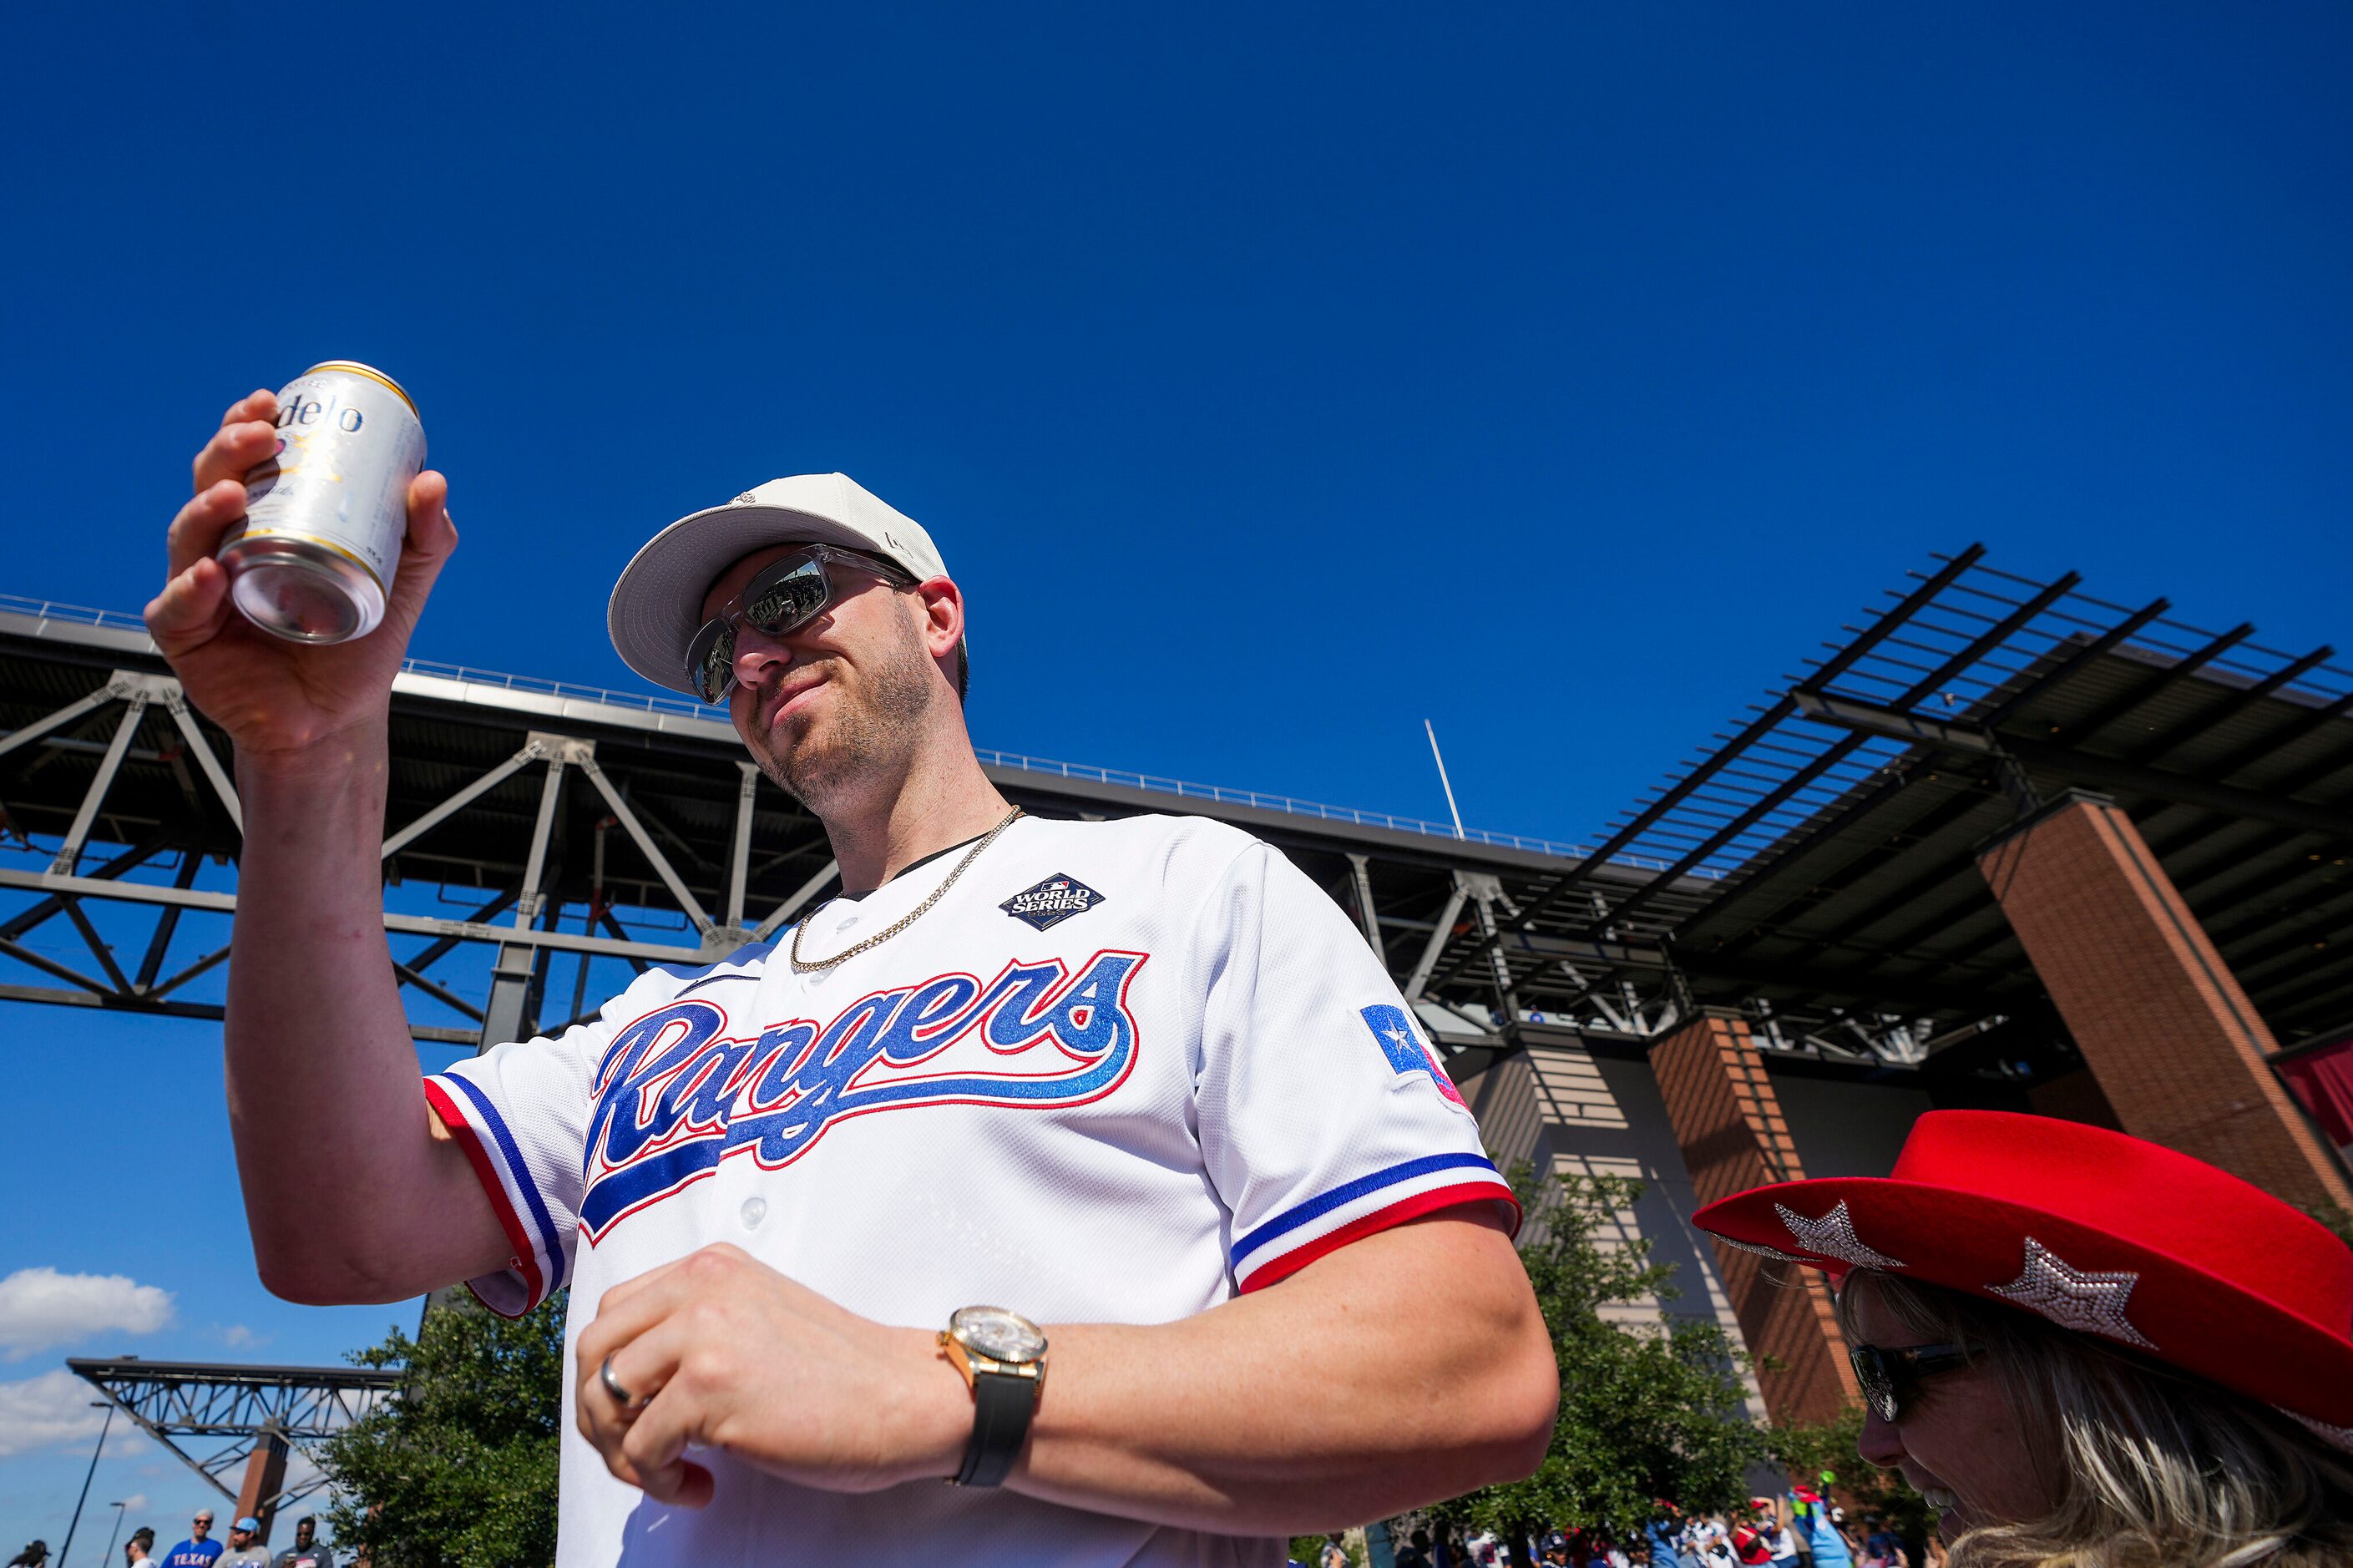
{"x": 213, "y": 1418}
{"x": 1814, "y": 866}
{"x": 1841, "y": 821}
{"x": 543, "y": 840}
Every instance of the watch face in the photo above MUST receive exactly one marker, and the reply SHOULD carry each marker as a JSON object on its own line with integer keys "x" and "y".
{"x": 998, "y": 1335}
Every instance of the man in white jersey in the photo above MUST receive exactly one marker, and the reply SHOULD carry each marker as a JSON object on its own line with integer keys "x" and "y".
{"x": 1126, "y": 1102}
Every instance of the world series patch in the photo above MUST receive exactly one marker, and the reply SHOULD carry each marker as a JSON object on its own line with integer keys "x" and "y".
{"x": 1051, "y": 901}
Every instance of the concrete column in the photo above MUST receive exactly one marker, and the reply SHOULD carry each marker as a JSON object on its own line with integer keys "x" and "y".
{"x": 1729, "y": 1125}
{"x": 2175, "y": 1044}
{"x": 265, "y": 1477}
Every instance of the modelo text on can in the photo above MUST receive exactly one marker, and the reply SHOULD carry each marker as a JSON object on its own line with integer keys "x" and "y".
{"x": 325, "y": 515}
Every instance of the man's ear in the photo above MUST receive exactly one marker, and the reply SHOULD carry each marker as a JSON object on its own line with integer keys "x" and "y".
{"x": 943, "y": 610}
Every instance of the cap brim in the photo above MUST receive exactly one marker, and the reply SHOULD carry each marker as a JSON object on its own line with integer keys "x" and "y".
{"x": 658, "y": 603}
{"x": 1971, "y": 1242}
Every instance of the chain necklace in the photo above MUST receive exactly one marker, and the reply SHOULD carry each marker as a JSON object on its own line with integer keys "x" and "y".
{"x": 880, "y": 937}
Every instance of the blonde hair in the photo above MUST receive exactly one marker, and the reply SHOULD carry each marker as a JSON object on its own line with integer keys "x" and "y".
{"x": 2155, "y": 1468}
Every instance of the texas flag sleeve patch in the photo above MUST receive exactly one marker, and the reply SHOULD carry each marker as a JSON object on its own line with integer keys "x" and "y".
{"x": 1402, "y": 1044}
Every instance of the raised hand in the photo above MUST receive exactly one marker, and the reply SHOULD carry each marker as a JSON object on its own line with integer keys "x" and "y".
{"x": 276, "y": 698}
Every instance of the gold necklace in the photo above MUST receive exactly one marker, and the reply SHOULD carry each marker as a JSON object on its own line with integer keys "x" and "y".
{"x": 880, "y": 937}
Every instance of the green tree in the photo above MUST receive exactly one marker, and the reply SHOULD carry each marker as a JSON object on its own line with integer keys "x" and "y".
{"x": 1649, "y": 1408}
{"x": 1863, "y": 1489}
{"x": 460, "y": 1470}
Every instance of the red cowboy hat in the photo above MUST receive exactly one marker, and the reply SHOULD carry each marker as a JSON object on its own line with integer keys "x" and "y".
{"x": 2101, "y": 1233}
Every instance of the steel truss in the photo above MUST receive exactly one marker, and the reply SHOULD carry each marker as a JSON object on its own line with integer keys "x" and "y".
{"x": 213, "y": 1419}
{"x": 582, "y": 834}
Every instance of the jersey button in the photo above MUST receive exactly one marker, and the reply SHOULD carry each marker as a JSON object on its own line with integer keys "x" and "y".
{"x": 754, "y": 1211}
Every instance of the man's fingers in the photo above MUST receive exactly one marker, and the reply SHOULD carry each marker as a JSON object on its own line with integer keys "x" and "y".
{"x": 259, "y": 404}
{"x": 633, "y": 1307}
{"x": 654, "y": 1448}
{"x": 196, "y": 530}
{"x": 644, "y": 1443}
{"x": 643, "y": 1365}
{"x": 234, "y": 448}
{"x": 191, "y": 609}
{"x": 425, "y": 550}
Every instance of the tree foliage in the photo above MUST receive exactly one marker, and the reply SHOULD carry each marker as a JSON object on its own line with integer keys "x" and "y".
{"x": 460, "y": 1470}
{"x": 1862, "y": 1489}
{"x": 1649, "y": 1408}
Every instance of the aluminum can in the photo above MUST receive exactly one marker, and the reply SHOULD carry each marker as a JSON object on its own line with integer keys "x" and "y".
{"x": 325, "y": 515}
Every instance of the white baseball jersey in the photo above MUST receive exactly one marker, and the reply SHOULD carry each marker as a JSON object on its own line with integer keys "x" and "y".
{"x": 1123, "y": 1071}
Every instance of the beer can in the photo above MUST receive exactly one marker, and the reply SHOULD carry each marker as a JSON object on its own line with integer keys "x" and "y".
{"x": 324, "y": 515}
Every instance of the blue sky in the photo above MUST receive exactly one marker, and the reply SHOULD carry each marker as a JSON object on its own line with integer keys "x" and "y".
{"x": 1272, "y": 378}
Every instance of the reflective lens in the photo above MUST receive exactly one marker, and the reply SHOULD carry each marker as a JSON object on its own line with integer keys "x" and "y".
{"x": 1871, "y": 1372}
{"x": 711, "y": 660}
{"x": 775, "y": 606}
{"x": 1887, "y": 1376}
{"x": 784, "y": 597}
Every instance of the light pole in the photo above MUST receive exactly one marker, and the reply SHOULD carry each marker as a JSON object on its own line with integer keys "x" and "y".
{"x": 105, "y": 1427}
{"x": 115, "y": 1534}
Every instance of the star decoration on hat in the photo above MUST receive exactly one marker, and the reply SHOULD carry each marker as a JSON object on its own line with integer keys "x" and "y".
{"x": 2088, "y": 1300}
{"x": 1772, "y": 1252}
{"x": 1833, "y": 1236}
{"x": 2341, "y": 1435}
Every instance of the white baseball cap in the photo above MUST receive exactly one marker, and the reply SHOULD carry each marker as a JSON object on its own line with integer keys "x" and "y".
{"x": 657, "y": 605}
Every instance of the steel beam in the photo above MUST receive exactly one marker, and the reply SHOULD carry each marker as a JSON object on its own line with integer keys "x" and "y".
{"x": 1439, "y": 936}
{"x": 69, "y": 853}
{"x": 739, "y": 865}
{"x": 646, "y": 847}
{"x": 415, "y": 925}
{"x": 188, "y": 1408}
{"x": 63, "y": 716}
{"x": 792, "y": 906}
{"x": 533, "y": 750}
{"x": 167, "y": 922}
{"x": 1360, "y": 878}
{"x": 1993, "y": 637}
{"x": 2084, "y": 767}
{"x": 507, "y": 1015}
{"x": 175, "y": 703}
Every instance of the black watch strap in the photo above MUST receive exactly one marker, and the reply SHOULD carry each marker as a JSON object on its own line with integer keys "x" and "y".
{"x": 1001, "y": 1404}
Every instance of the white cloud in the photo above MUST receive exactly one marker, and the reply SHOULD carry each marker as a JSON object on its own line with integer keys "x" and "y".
{"x": 40, "y": 1308}
{"x": 237, "y": 1334}
{"x": 40, "y": 1411}
{"x": 135, "y": 1503}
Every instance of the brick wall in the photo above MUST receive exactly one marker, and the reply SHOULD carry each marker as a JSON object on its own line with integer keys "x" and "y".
{"x": 2175, "y": 1044}
{"x": 1734, "y": 1137}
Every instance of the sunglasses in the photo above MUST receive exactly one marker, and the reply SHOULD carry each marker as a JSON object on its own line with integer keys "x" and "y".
{"x": 784, "y": 596}
{"x": 1887, "y": 1376}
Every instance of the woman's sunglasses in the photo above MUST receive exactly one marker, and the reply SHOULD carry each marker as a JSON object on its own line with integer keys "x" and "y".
{"x": 784, "y": 596}
{"x": 1887, "y": 1376}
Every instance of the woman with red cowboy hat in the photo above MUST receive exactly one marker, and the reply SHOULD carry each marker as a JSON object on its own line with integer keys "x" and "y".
{"x": 2085, "y": 1348}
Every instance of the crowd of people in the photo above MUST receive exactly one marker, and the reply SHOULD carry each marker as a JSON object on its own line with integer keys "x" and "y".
{"x": 243, "y": 1549}
{"x": 1801, "y": 1527}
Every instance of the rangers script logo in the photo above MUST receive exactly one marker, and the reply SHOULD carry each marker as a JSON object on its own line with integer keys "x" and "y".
{"x": 674, "y": 1097}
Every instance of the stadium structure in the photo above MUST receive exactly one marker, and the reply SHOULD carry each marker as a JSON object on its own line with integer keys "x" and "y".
{"x": 2004, "y": 845}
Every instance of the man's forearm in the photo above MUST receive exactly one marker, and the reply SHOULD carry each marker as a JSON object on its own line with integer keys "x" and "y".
{"x": 341, "y": 1175}
{"x": 1408, "y": 1366}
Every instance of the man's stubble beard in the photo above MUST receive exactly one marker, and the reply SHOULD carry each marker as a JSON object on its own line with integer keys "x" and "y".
{"x": 877, "y": 710}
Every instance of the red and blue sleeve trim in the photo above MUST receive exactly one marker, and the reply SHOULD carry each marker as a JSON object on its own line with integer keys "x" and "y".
{"x": 538, "y": 1283}
{"x": 1480, "y": 1183}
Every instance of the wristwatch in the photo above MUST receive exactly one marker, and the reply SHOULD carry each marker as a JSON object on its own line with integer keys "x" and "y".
{"x": 1002, "y": 1355}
